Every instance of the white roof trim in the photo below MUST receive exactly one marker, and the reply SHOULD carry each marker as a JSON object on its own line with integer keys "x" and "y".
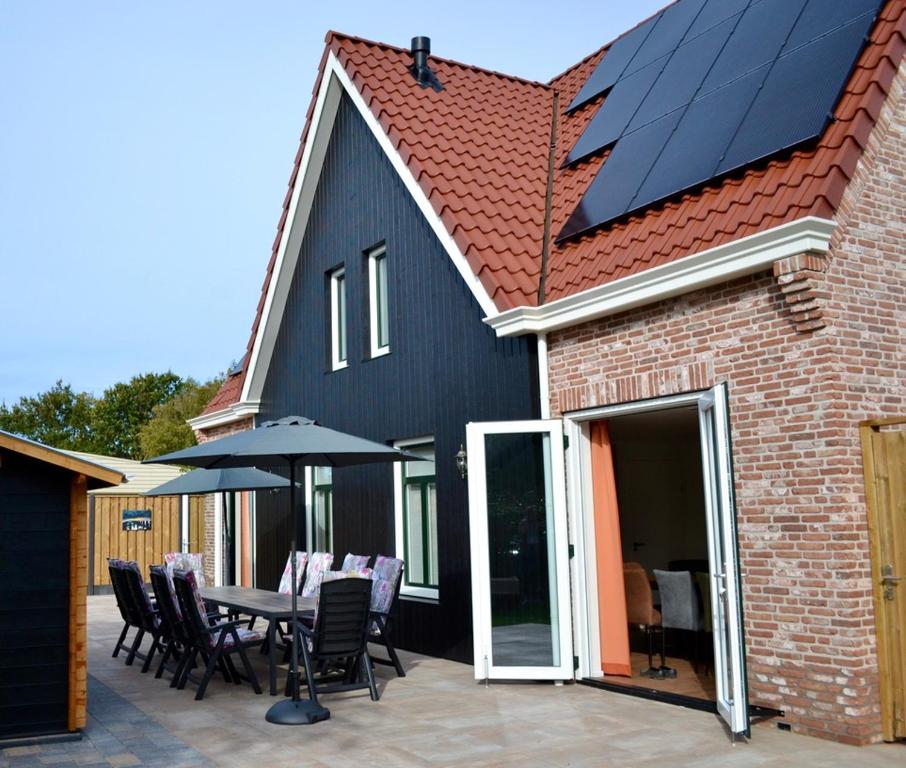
{"x": 241, "y": 410}
{"x": 715, "y": 265}
{"x": 334, "y": 82}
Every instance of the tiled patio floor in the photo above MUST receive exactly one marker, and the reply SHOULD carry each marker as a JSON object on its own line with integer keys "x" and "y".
{"x": 436, "y": 716}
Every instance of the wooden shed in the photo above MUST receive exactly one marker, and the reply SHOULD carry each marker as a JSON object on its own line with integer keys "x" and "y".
{"x": 126, "y": 524}
{"x": 43, "y": 586}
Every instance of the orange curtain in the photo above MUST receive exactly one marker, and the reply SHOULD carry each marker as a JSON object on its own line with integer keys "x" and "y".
{"x": 245, "y": 572}
{"x": 614, "y": 628}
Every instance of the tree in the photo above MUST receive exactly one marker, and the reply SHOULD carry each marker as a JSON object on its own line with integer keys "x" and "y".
{"x": 58, "y": 417}
{"x": 167, "y": 430}
{"x": 126, "y": 407}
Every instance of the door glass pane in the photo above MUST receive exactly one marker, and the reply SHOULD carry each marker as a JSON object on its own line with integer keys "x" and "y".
{"x": 415, "y": 562}
{"x": 321, "y": 540}
{"x": 380, "y": 267}
{"x": 524, "y": 611}
{"x": 431, "y": 494}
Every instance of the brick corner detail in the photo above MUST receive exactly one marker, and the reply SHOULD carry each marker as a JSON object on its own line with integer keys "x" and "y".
{"x": 799, "y": 278}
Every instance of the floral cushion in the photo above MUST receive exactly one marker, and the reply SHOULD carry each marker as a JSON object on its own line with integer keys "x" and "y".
{"x": 186, "y": 561}
{"x": 387, "y": 572}
{"x": 355, "y": 562}
{"x": 364, "y": 573}
{"x": 189, "y": 576}
{"x": 286, "y": 579}
{"x": 245, "y": 636}
{"x": 320, "y": 564}
{"x": 169, "y": 576}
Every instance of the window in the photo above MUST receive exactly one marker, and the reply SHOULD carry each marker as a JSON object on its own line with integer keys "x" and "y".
{"x": 320, "y": 538}
{"x": 379, "y": 316}
{"x": 416, "y": 520}
{"x": 338, "y": 319}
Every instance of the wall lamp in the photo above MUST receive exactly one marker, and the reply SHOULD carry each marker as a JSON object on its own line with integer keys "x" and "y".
{"x": 462, "y": 462}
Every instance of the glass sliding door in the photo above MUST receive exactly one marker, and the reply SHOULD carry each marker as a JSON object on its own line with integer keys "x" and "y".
{"x": 726, "y": 609}
{"x": 520, "y": 555}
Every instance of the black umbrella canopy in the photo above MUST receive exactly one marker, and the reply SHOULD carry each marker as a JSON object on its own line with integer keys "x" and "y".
{"x": 214, "y": 480}
{"x": 276, "y": 443}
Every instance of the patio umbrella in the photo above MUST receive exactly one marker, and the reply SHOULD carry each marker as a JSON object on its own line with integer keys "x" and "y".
{"x": 288, "y": 442}
{"x": 222, "y": 480}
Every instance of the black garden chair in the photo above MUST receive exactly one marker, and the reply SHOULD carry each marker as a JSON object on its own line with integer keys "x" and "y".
{"x": 338, "y": 638}
{"x": 129, "y": 611}
{"x": 146, "y": 613}
{"x": 214, "y": 643}
{"x": 174, "y": 635}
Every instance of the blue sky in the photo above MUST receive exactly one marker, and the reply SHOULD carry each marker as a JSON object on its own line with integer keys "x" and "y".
{"x": 146, "y": 149}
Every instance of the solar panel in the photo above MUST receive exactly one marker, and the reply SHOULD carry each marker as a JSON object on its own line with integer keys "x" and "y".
{"x": 612, "y": 65}
{"x": 748, "y": 80}
{"x": 714, "y": 12}
{"x": 695, "y": 149}
{"x": 616, "y": 112}
{"x": 679, "y": 81}
{"x": 757, "y": 39}
{"x": 623, "y": 173}
{"x": 815, "y": 74}
{"x": 667, "y": 34}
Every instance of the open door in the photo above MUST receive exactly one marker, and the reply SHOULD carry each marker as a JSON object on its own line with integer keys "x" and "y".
{"x": 726, "y": 605}
{"x": 520, "y": 553}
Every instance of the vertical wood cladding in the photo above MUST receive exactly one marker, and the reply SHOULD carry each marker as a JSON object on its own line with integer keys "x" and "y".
{"x": 445, "y": 368}
{"x": 34, "y": 596}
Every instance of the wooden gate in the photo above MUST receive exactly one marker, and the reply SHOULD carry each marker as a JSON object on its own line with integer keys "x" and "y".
{"x": 146, "y": 547}
{"x": 884, "y": 458}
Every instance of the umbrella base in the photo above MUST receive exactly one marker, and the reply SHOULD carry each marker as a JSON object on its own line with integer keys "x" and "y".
{"x": 303, "y": 712}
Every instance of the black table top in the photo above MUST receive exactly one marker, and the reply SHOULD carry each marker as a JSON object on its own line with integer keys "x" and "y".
{"x": 258, "y": 602}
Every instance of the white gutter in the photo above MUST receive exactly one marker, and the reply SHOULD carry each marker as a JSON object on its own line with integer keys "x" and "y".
{"x": 241, "y": 410}
{"x": 747, "y": 255}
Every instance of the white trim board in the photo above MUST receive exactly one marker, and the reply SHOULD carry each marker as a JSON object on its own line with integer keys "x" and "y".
{"x": 334, "y": 82}
{"x": 241, "y": 410}
{"x": 747, "y": 255}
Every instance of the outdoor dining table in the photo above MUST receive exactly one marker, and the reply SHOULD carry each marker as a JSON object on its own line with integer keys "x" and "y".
{"x": 273, "y": 607}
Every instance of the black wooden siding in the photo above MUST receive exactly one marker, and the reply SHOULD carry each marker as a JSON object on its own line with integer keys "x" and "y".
{"x": 34, "y": 596}
{"x": 445, "y": 368}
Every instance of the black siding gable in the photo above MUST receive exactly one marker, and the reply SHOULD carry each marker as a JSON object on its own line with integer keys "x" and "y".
{"x": 445, "y": 368}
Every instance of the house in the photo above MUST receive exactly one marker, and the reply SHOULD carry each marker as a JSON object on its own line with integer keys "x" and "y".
{"x": 43, "y": 587}
{"x": 684, "y": 255}
{"x": 124, "y": 523}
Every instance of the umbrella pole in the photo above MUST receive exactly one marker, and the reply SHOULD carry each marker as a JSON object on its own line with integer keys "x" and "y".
{"x": 295, "y": 711}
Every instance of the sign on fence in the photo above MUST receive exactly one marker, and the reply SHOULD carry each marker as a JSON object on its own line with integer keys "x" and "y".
{"x": 136, "y": 519}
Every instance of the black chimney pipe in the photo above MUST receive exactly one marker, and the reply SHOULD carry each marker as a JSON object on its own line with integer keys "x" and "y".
{"x": 421, "y": 49}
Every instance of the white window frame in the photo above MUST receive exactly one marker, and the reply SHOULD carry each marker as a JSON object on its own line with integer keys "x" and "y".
{"x": 425, "y": 594}
{"x": 310, "y": 511}
{"x": 336, "y": 363}
{"x": 377, "y": 349}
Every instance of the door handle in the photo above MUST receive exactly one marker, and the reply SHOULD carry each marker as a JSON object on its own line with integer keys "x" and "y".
{"x": 889, "y": 581}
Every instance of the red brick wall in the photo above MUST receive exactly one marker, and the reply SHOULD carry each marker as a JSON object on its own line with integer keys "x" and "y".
{"x": 210, "y": 519}
{"x": 801, "y": 375}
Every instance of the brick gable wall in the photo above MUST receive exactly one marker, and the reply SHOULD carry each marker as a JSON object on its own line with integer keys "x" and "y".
{"x": 808, "y": 349}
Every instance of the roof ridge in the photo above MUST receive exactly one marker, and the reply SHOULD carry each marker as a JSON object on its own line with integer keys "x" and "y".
{"x": 332, "y": 34}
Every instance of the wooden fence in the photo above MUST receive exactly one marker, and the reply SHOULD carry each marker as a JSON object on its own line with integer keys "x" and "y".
{"x": 145, "y": 547}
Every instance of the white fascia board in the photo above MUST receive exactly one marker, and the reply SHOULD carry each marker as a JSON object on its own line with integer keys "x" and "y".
{"x": 334, "y": 82}
{"x": 235, "y": 412}
{"x": 747, "y": 255}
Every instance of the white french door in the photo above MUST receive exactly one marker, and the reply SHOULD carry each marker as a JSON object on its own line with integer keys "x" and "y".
{"x": 726, "y": 604}
{"x": 520, "y": 552}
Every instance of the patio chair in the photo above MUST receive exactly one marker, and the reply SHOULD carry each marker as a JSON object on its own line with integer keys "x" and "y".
{"x": 186, "y": 561}
{"x": 387, "y": 578}
{"x": 123, "y": 603}
{"x": 214, "y": 643}
{"x": 319, "y": 564}
{"x": 173, "y": 629}
{"x": 285, "y": 588}
{"x": 146, "y": 613}
{"x": 355, "y": 562}
{"x": 339, "y": 637}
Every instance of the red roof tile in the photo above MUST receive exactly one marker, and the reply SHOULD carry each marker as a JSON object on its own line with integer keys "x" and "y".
{"x": 479, "y": 150}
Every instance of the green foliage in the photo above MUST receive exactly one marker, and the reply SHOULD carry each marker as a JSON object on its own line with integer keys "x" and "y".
{"x": 167, "y": 430}
{"x": 58, "y": 417}
{"x": 126, "y": 407}
{"x": 142, "y": 417}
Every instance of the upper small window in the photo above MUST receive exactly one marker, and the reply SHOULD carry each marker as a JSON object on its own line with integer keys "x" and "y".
{"x": 338, "y": 319}
{"x": 379, "y": 316}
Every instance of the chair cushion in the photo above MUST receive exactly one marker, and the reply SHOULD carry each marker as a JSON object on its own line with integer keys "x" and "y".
{"x": 355, "y": 562}
{"x": 245, "y": 636}
{"x": 186, "y": 561}
{"x": 387, "y": 573}
{"x": 285, "y": 587}
{"x": 320, "y": 563}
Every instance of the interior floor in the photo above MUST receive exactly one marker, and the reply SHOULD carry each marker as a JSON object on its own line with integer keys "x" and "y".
{"x": 688, "y": 682}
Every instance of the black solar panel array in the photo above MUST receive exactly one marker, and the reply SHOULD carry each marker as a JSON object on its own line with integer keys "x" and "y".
{"x": 708, "y": 86}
